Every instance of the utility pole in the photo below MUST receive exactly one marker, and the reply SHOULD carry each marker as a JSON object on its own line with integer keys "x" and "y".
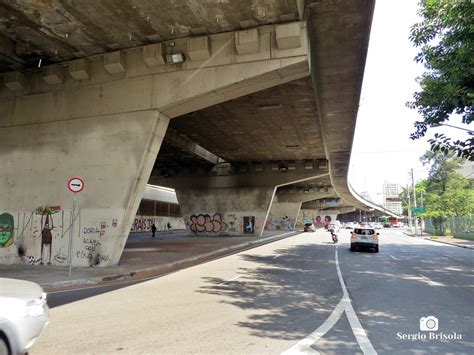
{"x": 413, "y": 186}
{"x": 414, "y": 194}
{"x": 409, "y": 208}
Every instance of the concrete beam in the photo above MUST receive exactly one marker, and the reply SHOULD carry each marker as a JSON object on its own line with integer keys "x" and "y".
{"x": 245, "y": 179}
{"x": 338, "y": 211}
{"x": 153, "y": 55}
{"x": 305, "y": 196}
{"x": 114, "y": 62}
{"x": 53, "y": 75}
{"x": 288, "y": 35}
{"x": 15, "y": 81}
{"x": 172, "y": 89}
{"x": 189, "y": 146}
{"x": 79, "y": 69}
{"x": 199, "y": 48}
{"x": 247, "y": 41}
{"x": 337, "y": 68}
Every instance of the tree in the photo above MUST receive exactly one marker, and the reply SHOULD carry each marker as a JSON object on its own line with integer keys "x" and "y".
{"x": 445, "y": 36}
{"x": 446, "y": 192}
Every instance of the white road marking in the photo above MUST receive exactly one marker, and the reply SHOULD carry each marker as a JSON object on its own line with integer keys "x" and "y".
{"x": 430, "y": 282}
{"x": 232, "y": 279}
{"x": 345, "y": 305}
{"x": 394, "y": 258}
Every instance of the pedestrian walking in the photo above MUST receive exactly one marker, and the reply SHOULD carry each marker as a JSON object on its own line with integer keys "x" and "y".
{"x": 153, "y": 230}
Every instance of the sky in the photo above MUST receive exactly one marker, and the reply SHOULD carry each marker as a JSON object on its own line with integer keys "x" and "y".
{"x": 382, "y": 150}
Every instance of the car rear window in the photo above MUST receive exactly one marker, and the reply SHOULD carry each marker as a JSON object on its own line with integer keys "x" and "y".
{"x": 364, "y": 231}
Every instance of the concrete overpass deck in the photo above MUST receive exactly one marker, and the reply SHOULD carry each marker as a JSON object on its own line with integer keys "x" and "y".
{"x": 231, "y": 103}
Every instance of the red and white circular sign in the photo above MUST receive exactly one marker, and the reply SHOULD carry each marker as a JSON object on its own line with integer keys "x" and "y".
{"x": 75, "y": 184}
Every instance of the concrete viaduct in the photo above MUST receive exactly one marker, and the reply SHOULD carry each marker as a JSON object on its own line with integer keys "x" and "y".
{"x": 246, "y": 108}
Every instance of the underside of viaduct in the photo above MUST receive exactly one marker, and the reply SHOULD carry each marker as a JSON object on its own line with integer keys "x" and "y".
{"x": 248, "y": 112}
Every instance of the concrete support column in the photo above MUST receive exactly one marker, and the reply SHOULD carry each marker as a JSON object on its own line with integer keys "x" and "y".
{"x": 114, "y": 155}
{"x": 283, "y": 216}
{"x": 226, "y": 210}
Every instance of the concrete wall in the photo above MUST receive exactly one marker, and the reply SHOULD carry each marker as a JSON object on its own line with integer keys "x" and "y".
{"x": 225, "y": 211}
{"x": 113, "y": 154}
{"x": 282, "y": 216}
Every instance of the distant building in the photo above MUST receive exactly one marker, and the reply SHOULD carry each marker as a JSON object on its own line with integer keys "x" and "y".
{"x": 467, "y": 169}
{"x": 391, "y": 198}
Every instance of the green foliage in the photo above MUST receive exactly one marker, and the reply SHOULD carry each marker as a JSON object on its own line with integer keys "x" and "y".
{"x": 447, "y": 193}
{"x": 445, "y": 37}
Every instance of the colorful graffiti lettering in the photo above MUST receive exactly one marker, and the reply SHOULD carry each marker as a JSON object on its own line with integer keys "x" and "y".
{"x": 6, "y": 230}
{"x": 142, "y": 224}
{"x": 204, "y": 223}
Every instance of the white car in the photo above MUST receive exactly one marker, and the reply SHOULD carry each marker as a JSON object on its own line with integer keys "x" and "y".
{"x": 365, "y": 238}
{"x": 23, "y": 315}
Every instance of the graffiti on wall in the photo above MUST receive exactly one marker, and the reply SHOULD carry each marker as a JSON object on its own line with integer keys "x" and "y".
{"x": 232, "y": 220}
{"x": 6, "y": 230}
{"x": 142, "y": 224}
{"x": 40, "y": 237}
{"x": 320, "y": 223}
{"x": 268, "y": 223}
{"x": 47, "y": 225}
{"x": 249, "y": 224}
{"x": 91, "y": 249}
{"x": 204, "y": 223}
{"x": 287, "y": 223}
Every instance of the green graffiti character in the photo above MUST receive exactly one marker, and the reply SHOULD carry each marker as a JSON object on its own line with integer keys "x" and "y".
{"x": 6, "y": 230}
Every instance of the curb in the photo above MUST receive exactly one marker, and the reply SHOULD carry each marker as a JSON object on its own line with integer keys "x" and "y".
{"x": 169, "y": 267}
{"x": 454, "y": 244}
{"x": 440, "y": 241}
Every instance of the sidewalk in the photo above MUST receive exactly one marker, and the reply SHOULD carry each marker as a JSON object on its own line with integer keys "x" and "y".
{"x": 142, "y": 257}
{"x": 463, "y": 243}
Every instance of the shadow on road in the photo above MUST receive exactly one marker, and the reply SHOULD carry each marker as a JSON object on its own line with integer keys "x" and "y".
{"x": 288, "y": 295}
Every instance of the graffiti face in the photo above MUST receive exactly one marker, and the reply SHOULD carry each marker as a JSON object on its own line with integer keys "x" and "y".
{"x": 6, "y": 230}
{"x": 204, "y": 223}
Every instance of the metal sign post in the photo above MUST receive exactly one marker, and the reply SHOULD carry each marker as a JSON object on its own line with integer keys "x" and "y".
{"x": 75, "y": 185}
{"x": 71, "y": 232}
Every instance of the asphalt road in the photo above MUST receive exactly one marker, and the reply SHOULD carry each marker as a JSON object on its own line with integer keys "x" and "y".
{"x": 299, "y": 295}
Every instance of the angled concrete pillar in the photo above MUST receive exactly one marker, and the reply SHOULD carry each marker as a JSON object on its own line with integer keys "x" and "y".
{"x": 112, "y": 154}
{"x": 283, "y": 216}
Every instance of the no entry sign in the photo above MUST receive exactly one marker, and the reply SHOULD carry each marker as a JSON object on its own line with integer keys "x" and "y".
{"x": 75, "y": 184}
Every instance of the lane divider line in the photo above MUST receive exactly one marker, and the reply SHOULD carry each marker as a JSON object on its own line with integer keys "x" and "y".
{"x": 344, "y": 305}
